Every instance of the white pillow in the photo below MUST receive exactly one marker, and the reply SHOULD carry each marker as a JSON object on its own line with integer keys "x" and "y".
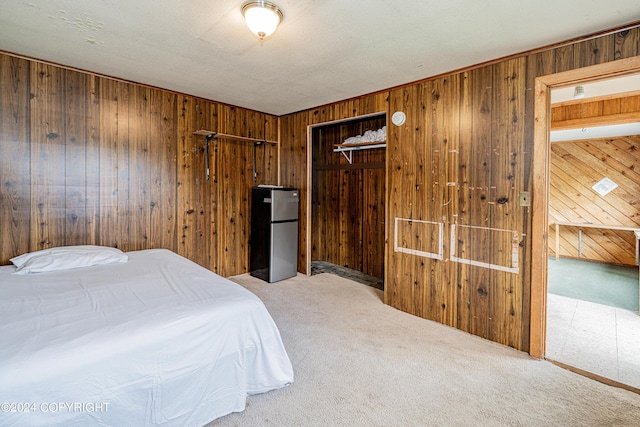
{"x": 66, "y": 257}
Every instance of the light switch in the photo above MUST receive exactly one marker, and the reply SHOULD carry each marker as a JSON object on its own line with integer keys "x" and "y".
{"x": 525, "y": 198}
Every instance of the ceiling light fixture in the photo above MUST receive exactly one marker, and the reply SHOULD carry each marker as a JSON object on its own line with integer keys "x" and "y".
{"x": 578, "y": 92}
{"x": 262, "y": 17}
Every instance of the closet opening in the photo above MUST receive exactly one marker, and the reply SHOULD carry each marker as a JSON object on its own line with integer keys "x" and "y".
{"x": 347, "y": 223}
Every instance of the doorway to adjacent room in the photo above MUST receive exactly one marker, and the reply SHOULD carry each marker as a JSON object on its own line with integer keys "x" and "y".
{"x": 562, "y": 327}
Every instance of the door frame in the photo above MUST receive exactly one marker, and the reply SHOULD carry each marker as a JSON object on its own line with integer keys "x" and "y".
{"x": 540, "y": 190}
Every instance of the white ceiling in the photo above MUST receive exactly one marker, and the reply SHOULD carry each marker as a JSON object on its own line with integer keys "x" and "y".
{"x": 324, "y": 51}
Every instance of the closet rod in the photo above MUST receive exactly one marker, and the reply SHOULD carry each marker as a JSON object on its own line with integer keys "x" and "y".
{"x": 209, "y": 135}
{"x": 214, "y": 134}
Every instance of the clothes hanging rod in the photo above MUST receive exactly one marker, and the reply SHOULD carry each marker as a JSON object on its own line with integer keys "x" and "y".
{"x": 209, "y": 135}
{"x": 213, "y": 134}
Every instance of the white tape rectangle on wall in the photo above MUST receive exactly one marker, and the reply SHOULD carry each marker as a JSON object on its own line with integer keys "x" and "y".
{"x": 407, "y": 249}
{"x": 513, "y": 241}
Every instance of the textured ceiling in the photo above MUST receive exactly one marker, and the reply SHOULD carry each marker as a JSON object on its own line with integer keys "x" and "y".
{"x": 323, "y": 52}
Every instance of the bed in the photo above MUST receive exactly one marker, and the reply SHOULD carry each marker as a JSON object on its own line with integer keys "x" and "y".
{"x": 153, "y": 339}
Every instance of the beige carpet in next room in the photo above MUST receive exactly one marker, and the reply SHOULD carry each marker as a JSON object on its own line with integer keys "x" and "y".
{"x": 358, "y": 362}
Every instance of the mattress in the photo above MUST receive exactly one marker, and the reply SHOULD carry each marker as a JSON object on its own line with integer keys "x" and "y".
{"x": 157, "y": 340}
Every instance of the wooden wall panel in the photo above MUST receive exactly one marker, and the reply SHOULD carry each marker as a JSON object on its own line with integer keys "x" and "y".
{"x": 507, "y": 167}
{"x": 398, "y": 289}
{"x": 293, "y": 172}
{"x": 563, "y": 58}
{"x": 267, "y": 154}
{"x": 208, "y": 117}
{"x": 91, "y": 160}
{"x": 15, "y": 168}
{"x": 466, "y": 320}
{"x": 489, "y": 110}
{"x": 373, "y": 234}
{"x": 626, "y": 43}
{"x": 123, "y": 215}
{"x": 198, "y": 200}
{"x": 139, "y": 173}
{"x": 451, "y": 138}
{"x": 47, "y": 127}
{"x": 475, "y": 180}
{"x": 424, "y": 181}
{"x": 594, "y": 51}
{"x": 163, "y": 154}
{"x": 575, "y": 167}
{"x": 108, "y": 164}
{"x": 235, "y": 163}
{"x": 92, "y": 138}
{"x": 75, "y": 149}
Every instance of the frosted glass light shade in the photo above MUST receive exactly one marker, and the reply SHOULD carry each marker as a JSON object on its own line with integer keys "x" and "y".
{"x": 262, "y": 17}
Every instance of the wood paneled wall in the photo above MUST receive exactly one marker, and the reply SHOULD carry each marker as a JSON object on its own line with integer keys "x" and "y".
{"x": 461, "y": 159}
{"x": 348, "y": 199}
{"x": 90, "y": 160}
{"x": 574, "y": 168}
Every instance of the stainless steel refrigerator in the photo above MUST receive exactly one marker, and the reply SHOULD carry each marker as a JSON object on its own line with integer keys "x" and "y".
{"x": 274, "y": 233}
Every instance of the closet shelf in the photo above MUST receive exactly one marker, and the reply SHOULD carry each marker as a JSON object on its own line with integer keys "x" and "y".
{"x": 213, "y": 134}
{"x": 350, "y": 148}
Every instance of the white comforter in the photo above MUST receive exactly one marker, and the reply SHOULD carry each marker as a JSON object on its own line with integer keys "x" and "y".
{"x": 158, "y": 340}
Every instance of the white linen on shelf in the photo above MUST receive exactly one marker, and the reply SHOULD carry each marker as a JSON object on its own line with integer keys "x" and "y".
{"x": 379, "y": 135}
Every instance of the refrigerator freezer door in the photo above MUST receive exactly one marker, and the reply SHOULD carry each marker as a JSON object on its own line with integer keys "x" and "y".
{"x": 284, "y": 205}
{"x": 284, "y": 250}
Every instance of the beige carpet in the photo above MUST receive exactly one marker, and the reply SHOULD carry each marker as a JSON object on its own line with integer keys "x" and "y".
{"x": 358, "y": 362}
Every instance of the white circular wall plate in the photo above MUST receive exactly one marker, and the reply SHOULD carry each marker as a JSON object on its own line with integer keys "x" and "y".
{"x": 398, "y": 118}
